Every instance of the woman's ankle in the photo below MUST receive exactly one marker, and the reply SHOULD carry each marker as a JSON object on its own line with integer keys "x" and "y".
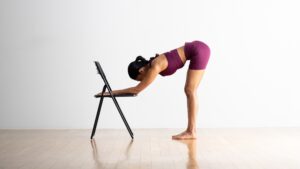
{"x": 191, "y": 130}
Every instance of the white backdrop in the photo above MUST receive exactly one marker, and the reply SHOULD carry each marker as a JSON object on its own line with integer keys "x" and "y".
{"x": 48, "y": 78}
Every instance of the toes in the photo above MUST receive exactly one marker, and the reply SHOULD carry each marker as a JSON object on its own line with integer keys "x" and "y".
{"x": 175, "y": 136}
{"x": 183, "y": 136}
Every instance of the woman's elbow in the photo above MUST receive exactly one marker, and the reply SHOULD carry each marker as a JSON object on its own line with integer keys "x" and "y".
{"x": 135, "y": 90}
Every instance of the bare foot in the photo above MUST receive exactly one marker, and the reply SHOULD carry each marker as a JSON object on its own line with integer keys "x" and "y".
{"x": 185, "y": 135}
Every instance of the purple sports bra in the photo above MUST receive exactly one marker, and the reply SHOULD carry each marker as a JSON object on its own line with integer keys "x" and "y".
{"x": 174, "y": 62}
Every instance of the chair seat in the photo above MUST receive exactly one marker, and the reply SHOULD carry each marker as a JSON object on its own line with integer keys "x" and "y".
{"x": 119, "y": 95}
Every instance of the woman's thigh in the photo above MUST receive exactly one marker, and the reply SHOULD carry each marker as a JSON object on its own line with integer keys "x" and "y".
{"x": 193, "y": 79}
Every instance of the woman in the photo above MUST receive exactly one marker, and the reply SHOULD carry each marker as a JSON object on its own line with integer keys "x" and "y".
{"x": 166, "y": 64}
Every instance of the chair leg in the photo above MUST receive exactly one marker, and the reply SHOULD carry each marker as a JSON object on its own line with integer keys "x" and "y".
{"x": 123, "y": 117}
{"x": 98, "y": 112}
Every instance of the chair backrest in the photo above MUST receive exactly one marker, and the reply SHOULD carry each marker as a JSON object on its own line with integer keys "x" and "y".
{"x": 101, "y": 72}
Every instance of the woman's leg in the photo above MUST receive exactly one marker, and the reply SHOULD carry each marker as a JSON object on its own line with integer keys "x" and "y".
{"x": 192, "y": 82}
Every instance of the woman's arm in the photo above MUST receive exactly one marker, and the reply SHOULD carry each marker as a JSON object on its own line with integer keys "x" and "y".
{"x": 147, "y": 80}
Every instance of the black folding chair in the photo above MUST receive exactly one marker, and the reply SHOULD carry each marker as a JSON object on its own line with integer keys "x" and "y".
{"x": 107, "y": 86}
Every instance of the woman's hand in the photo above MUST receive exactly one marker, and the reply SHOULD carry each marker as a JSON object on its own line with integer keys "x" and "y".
{"x": 100, "y": 94}
{"x": 130, "y": 90}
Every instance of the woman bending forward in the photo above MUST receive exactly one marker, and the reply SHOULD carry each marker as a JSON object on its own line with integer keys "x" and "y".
{"x": 166, "y": 64}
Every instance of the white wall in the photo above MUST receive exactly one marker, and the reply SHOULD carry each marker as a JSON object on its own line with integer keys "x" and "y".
{"x": 48, "y": 77}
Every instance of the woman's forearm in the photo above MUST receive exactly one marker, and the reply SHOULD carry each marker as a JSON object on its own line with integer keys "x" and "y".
{"x": 132, "y": 90}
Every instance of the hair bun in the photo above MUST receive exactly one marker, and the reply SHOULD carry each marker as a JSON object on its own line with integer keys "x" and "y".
{"x": 140, "y": 59}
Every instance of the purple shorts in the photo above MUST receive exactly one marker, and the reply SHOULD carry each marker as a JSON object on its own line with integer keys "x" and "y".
{"x": 198, "y": 53}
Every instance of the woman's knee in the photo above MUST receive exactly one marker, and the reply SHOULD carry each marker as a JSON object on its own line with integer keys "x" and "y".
{"x": 189, "y": 91}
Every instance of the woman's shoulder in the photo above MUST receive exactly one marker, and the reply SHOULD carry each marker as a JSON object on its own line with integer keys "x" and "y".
{"x": 160, "y": 62}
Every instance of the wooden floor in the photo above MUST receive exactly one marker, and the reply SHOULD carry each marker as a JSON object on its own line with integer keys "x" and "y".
{"x": 256, "y": 148}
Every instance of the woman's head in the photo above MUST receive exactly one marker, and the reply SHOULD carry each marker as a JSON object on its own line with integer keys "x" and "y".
{"x": 137, "y": 68}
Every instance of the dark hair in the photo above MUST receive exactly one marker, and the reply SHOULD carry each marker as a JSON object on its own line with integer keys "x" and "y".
{"x": 133, "y": 67}
{"x": 140, "y": 61}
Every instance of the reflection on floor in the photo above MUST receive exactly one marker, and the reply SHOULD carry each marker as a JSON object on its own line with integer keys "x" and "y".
{"x": 256, "y": 148}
